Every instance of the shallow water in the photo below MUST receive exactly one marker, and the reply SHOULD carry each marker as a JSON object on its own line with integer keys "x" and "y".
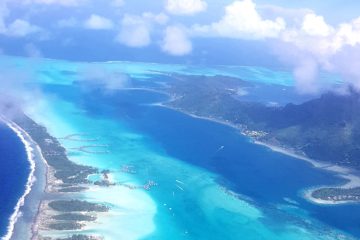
{"x": 213, "y": 183}
{"x": 181, "y": 154}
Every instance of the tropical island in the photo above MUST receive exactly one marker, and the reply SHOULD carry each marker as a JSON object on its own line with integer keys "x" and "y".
{"x": 308, "y": 129}
{"x": 59, "y": 209}
{"x": 179, "y": 120}
{"x": 325, "y": 129}
{"x": 64, "y": 212}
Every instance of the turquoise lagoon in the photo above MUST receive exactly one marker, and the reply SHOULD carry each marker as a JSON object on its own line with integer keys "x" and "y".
{"x": 213, "y": 183}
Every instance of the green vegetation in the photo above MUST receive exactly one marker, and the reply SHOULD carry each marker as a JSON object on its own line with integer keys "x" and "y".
{"x": 326, "y": 129}
{"x": 337, "y": 194}
{"x": 68, "y": 225}
{"x": 104, "y": 183}
{"x": 73, "y": 189}
{"x": 73, "y": 237}
{"x": 77, "y": 206}
{"x": 73, "y": 179}
{"x": 55, "y": 154}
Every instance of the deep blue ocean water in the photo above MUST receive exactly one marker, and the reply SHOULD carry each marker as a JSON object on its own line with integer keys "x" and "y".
{"x": 14, "y": 169}
{"x": 165, "y": 146}
{"x": 267, "y": 177}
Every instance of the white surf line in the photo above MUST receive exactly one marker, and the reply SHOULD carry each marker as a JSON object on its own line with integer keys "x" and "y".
{"x": 180, "y": 188}
{"x": 30, "y": 181}
{"x": 27, "y": 141}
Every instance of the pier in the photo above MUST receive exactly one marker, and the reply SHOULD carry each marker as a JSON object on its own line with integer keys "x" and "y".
{"x": 87, "y": 149}
{"x": 79, "y": 137}
{"x": 147, "y": 186}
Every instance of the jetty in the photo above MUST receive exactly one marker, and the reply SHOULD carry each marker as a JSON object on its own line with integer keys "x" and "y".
{"x": 87, "y": 149}
{"x": 78, "y": 137}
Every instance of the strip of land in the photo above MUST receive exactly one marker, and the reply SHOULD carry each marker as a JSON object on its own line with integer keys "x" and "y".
{"x": 59, "y": 209}
{"x": 322, "y": 131}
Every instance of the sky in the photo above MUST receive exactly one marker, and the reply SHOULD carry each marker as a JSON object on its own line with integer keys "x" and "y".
{"x": 305, "y": 36}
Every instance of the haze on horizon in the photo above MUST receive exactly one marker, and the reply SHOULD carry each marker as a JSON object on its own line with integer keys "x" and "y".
{"x": 206, "y": 101}
{"x": 305, "y": 36}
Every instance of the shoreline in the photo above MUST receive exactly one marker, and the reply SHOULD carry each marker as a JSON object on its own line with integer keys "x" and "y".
{"x": 353, "y": 180}
{"x": 36, "y": 157}
{"x": 58, "y": 208}
{"x": 33, "y": 154}
{"x": 223, "y": 122}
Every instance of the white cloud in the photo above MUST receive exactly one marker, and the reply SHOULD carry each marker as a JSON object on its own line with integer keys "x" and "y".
{"x": 306, "y": 75}
{"x": 176, "y": 41}
{"x": 322, "y": 45}
{"x": 17, "y": 28}
{"x": 97, "y": 22}
{"x": 21, "y": 28}
{"x": 316, "y": 37}
{"x": 348, "y": 33}
{"x": 241, "y": 20}
{"x": 306, "y": 40}
{"x": 109, "y": 81}
{"x": 315, "y": 25}
{"x": 185, "y": 7}
{"x": 135, "y": 31}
